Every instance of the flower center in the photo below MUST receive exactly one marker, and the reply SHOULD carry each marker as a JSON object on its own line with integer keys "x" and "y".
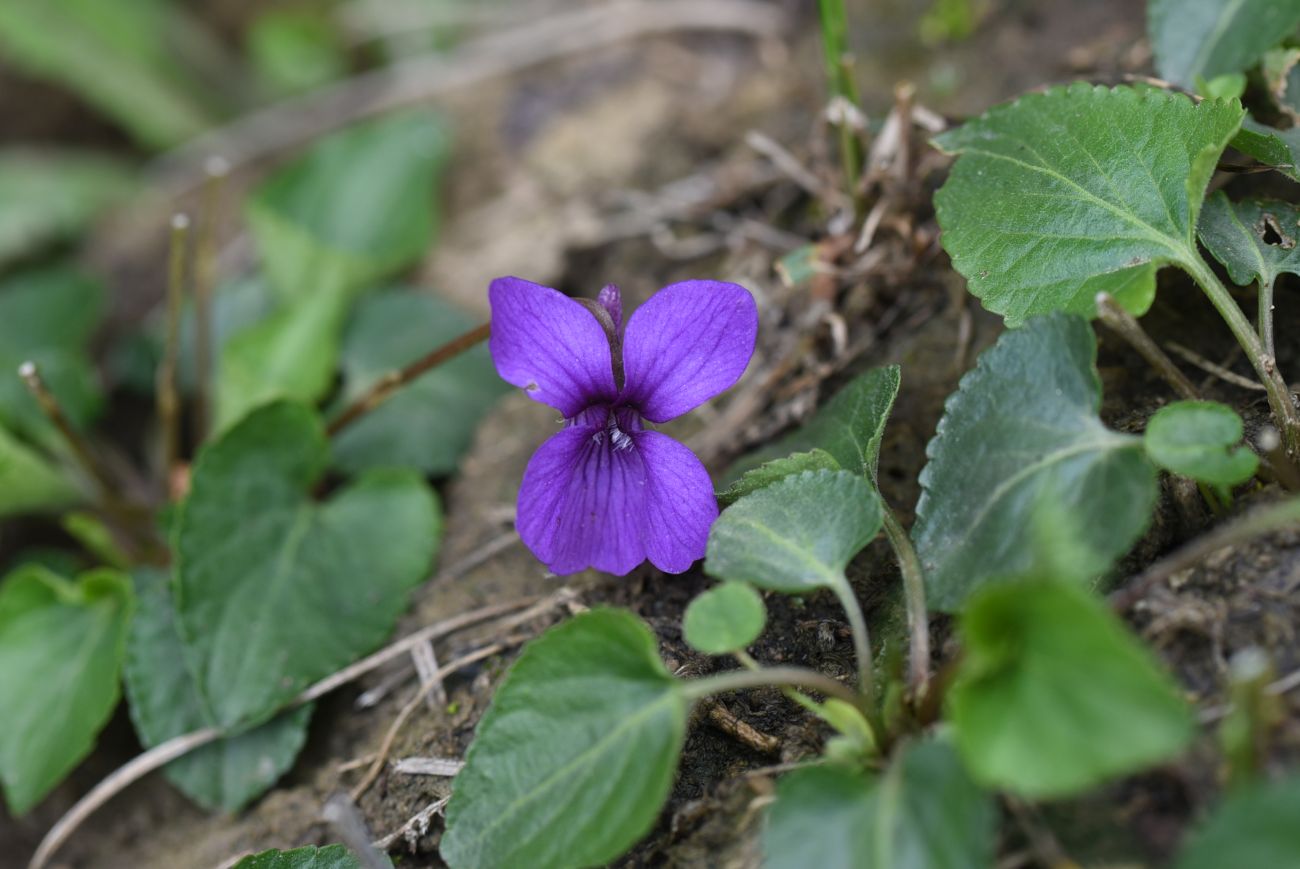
{"x": 612, "y": 425}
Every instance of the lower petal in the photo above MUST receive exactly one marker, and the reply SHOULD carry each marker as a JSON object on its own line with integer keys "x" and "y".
{"x": 581, "y": 503}
{"x": 679, "y": 503}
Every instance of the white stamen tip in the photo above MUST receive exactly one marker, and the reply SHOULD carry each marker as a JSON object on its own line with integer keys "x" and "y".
{"x": 27, "y": 369}
{"x": 180, "y": 221}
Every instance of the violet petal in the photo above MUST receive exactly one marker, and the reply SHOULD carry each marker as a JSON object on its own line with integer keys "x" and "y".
{"x": 581, "y": 503}
{"x": 688, "y": 343}
{"x": 549, "y": 345}
{"x": 680, "y": 506}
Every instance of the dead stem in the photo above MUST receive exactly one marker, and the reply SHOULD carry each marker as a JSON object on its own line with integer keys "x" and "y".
{"x": 163, "y": 754}
{"x": 53, "y": 411}
{"x": 385, "y": 747}
{"x": 1124, "y": 324}
{"x": 385, "y": 386}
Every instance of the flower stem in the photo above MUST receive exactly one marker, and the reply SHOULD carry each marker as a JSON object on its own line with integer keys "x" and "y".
{"x": 1279, "y": 395}
{"x": 169, "y": 407}
{"x": 205, "y": 274}
{"x": 385, "y": 386}
{"x": 774, "y": 677}
{"x": 914, "y": 592}
{"x": 861, "y": 640}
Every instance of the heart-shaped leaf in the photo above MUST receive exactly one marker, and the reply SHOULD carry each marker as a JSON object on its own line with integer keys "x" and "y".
{"x": 1055, "y": 696}
{"x": 356, "y": 208}
{"x": 777, "y": 469}
{"x": 1021, "y": 432}
{"x": 430, "y": 422}
{"x": 922, "y": 813}
{"x": 165, "y": 702}
{"x": 61, "y": 646}
{"x": 724, "y": 619}
{"x": 1204, "y": 39}
{"x": 275, "y": 590}
{"x": 291, "y": 354}
{"x": 1255, "y": 239}
{"x": 1201, "y": 440}
{"x": 1253, "y": 828}
{"x": 848, "y": 427}
{"x": 574, "y": 759}
{"x": 329, "y": 857}
{"x": 797, "y": 535}
{"x": 1060, "y": 195}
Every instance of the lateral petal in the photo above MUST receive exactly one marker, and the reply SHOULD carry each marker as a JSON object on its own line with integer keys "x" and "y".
{"x": 687, "y": 343}
{"x": 549, "y": 345}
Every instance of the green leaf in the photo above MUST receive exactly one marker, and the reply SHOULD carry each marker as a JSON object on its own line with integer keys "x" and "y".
{"x": 1201, "y": 440}
{"x": 777, "y": 469}
{"x": 275, "y": 590}
{"x": 1253, "y": 828}
{"x": 48, "y": 317}
{"x": 922, "y": 813}
{"x": 329, "y": 857}
{"x": 31, "y": 484}
{"x": 356, "y": 208}
{"x": 1277, "y": 148}
{"x": 295, "y": 50}
{"x": 430, "y": 422}
{"x": 50, "y": 195}
{"x": 796, "y": 535}
{"x": 165, "y": 702}
{"x": 576, "y": 755}
{"x": 291, "y": 354}
{"x": 61, "y": 645}
{"x": 115, "y": 55}
{"x": 1255, "y": 239}
{"x": 1054, "y": 696}
{"x": 849, "y": 427}
{"x": 724, "y": 619}
{"x": 1209, "y": 38}
{"x": 1021, "y": 431}
{"x": 1060, "y": 195}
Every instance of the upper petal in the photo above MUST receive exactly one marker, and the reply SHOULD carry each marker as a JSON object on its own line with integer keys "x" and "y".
{"x": 549, "y": 345}
{"x": 688, "y": 343}
{"x": 680, "y": 506}
{"x": 581, "y": 503}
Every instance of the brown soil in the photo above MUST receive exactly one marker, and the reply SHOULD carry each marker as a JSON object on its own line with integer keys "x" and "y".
{"x": 544, "y": 169}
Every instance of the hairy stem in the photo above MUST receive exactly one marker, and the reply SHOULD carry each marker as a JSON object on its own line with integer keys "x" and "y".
{"x": 1279, "y": 395}
{"x": 773, "y": 677}
{"x": 385, "y": 386}
{"x": 1266, "y": 315}
{"x": 1257, "y": 522}
{"x": 914, "y": 592}
{"x": 861, "y": 640}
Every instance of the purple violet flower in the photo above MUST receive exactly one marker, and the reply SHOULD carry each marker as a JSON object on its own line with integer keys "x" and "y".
{"x": 606, "y": 492}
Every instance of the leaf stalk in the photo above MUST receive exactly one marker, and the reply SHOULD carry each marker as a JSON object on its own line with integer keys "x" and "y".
{"x": 1279, "y": 394}
{"x": 914, "y": 593}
